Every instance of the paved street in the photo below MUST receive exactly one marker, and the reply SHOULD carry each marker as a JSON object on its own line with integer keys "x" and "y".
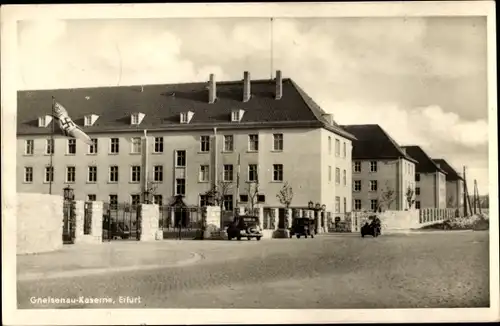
{"x": 330, "y": 271}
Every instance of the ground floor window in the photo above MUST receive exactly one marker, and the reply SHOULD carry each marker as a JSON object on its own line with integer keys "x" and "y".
{"x": 357, "y": 204}
{"x": 374, "y": 204}
{"x": 417, "y": 204}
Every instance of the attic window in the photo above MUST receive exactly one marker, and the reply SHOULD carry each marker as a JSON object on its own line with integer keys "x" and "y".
{"x": 136, "y": 118}
{"x": 44, "y": 121}
{"x": 186, "y": 116}
{"x": 90, "y": 119}
{"x": 237, "y": 115}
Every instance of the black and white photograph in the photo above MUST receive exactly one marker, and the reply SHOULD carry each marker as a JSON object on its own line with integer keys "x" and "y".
{"x": 252, "y": 162}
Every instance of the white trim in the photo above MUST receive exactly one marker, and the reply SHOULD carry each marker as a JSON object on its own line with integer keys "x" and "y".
{"x": 25, "y": 173}
{"x": 26, "y": 142}
{"x": 74, "y": 174}
{"x": 162, "y": 173}
{"x": 110, "y": 147}
{"x": 117, "y": 174}
{"x": 201, "y": 144}
{"x": 88, "y": 173}
{"x": 132, "y": 145}
{"x": 132, "y": 173}
{"x": 162, "y": 144}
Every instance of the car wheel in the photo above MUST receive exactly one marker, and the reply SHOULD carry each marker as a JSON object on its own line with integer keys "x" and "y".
{"x": 291, "y": 235}
{"x": 305, "y": 235}
{"x": 362, "y": 235}
{"x": 258, "y": 238}
{"x": 298, "y": 236}
{"x": 312, "y": 235}
{"x": 238, "y": 238}
{"x": 229, "y": 238}
{"x": 249, "y": 238}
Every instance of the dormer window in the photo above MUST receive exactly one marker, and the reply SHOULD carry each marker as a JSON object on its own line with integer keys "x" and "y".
{"x": 186, "y": 116}
{"x": 90, "y": 119}
{"x": 44, "y": 121}
{"x": 237, "y": 115}
{"x": 136, "y": 118}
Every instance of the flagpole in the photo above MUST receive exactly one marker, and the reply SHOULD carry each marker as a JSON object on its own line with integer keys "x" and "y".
{"x": 52, "y": 146}
{"x": 237, "y": 193}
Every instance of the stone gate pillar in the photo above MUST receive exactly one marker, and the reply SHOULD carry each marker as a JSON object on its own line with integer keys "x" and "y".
{"x": 149, "y": 221}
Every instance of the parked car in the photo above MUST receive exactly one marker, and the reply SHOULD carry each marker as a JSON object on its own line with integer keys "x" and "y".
{"x": 302, "y": 226}
{"x": 244, "y": 226}
{"x": 372, "y": 227}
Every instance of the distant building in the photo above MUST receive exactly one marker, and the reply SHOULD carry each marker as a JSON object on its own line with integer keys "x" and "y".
{"x": 430, "y": 180}
{"x": 379, "y": 165}
{"x": 195, "y": 133}
{"x": 454, "y": 185}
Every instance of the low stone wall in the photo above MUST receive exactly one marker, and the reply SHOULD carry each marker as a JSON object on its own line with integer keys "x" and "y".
{"x": 39, "y": 223}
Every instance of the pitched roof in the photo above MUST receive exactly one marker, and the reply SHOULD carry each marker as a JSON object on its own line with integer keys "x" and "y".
{"x": 425, "y": 163}
{"x": 372, "y": 142}
{"x": 451, "y": 173}
{"x": 162, "y": 105}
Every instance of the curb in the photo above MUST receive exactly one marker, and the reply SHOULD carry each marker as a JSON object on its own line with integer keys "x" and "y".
{"x": 195, "y": 257}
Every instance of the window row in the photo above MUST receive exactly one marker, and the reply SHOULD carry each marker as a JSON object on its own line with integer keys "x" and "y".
{"x": 136, "y": 145}
{"x": 374, "y": 205}
{"x": 337, "y": 147}
{"x": 228, "y": 174}
{"x": 372, "y": 186}
{"x": 337, "y": 175}
{"x": 357, "y": 166}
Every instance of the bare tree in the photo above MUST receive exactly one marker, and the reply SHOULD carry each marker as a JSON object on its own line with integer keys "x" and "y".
{"x": 253, "y": 193}
{"x": 218, "y": 192}
{"x": 150, "y": 188}
{"x": 386, "y": 198}
{"x": 410, "y": 192}
{"x": 285, "y": 195}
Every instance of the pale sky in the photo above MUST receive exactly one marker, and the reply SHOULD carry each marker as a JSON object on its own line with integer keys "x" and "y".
{"x": 424, "y": 80}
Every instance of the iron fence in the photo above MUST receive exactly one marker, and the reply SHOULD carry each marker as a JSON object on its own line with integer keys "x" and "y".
{"x": 87, "y": 219}
{"x": 69, "y": 222}
{"x": 120, "y": 221}
{"x": 181, "y": 222}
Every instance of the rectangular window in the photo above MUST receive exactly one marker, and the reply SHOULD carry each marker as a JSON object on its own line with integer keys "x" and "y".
{"x": 417, "y": 191}
{"x": 49, "y": 147}
{"x": 70, "y": 174}
{"x": 344, "y": 150}
{"x": 337, "y": 204}
{"x": 373, "y": 166}
{"x": 357, "y": 185}
{"x": 374, "y": 204}
{"x": 277, "y": 172}
{"x": 329, "y": 173}
{"x": 228, "y": 143}
{"x": 158, "y": 145}
{"x": 344, "y": 177}
{"x": 252, "y": 173}
{"x": 205, "y": 144}
{"x": 357, "y": 204}
{"x": 204, "y": 173}
{"x": 357, "y": 167}
{"x": 278, "y": 142}
{"x": 204, "y": 201}
{"x": 135, "y": 200}
{"x": 158, "y": 199}
{"x": 135, "y": 119}
{"x": 158, "y": 173}
{"x": 417, "y": 177}
{"x": 180, "y": 187}
{"x": 253, "y": 143}
{"x": 72, "y": 146}
{"x": 228, "y": 202}
{"x": 49, "y": 174}
{"x": 29, "y": 147}
{"x": 135, "y": 145}
{"x": 91, "y": 197}
{"x": 243, "y": 198}
{"x": 113, "y": 173}
{"x": 113, "y": 201}
{"x": 337, "y": 147}
{"x": 180, "y": 159}
{"x": 417, "y": 204}
{"x": 235, "y": 115}
{"x": 28, "y": 174}
{"x": 92, "y": 174}
{"x": 337, "y": 175}
{"x": 93, "y": 147}
{"x": 329, "y": 145}
{"x": 228, "y": 172}
{"x": 114, "y": 145}
{"x": 135, "y": 173}
{"x": 373, "y": 185}
{"x": 88, "y": 120}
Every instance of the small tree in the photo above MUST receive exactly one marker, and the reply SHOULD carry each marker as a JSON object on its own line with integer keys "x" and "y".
{"x": 253, "y": 193}
{"x": 285, "y": 196}
{"x": 150, "y": 187}
{"x": 386, "y": 198}
{"x": 410, "y": 192}
{"x": 218, "y": 192}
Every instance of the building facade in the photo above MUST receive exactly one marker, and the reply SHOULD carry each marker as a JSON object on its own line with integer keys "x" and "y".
{"x": 382, "y": 171}
{"x": 185, "y": 140}
{"x": 430, "y": 180}
{"x": 454, "y": 185}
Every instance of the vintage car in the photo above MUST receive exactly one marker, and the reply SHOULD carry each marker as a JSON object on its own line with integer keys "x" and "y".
{"x": 302, "y": 226}
{"x": 244, "y": 226}
{"x": 371, "y": 227}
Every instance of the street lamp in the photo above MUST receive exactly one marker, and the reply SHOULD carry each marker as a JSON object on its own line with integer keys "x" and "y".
{"x": 68, "y": 193}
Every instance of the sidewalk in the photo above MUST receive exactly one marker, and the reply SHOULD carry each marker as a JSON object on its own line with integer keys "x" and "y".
{"x": 116, "y": 256}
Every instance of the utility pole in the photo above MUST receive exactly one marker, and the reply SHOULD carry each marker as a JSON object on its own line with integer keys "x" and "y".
{"x": 465, "y": 193}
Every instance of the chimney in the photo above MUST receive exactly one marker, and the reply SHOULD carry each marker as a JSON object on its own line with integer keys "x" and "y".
{"x": 212, "y": 90}
{"x": 246, "y": 86}
{"x": 279, "y": 85}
